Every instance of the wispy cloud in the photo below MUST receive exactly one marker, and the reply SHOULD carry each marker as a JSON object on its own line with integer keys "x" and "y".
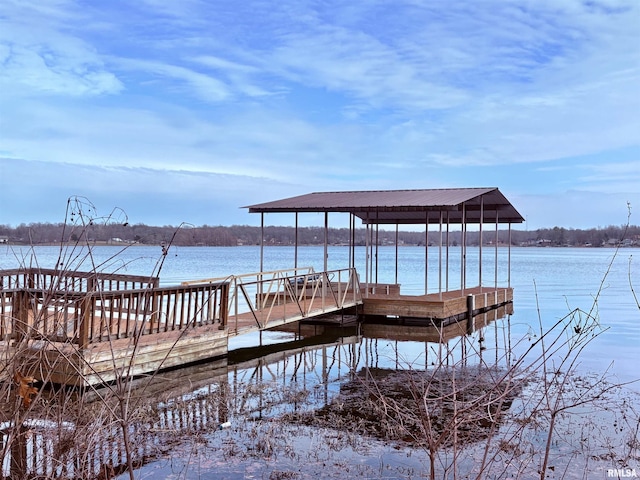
{"x": 315, "y": 95}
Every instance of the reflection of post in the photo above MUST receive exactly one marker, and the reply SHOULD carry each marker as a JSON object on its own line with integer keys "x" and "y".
{"x": 325, "y": 375}
{"x": 354, "y": 360}
{"x": 259, "y": 385}
{"x": 508, "y": 346}
{"x": 223, "y": 405}
{"x": 463, "y": 350}
{"x": 495, "y": 324}
{"x": 426, "y": 354}
{"x": 18, "y": 466}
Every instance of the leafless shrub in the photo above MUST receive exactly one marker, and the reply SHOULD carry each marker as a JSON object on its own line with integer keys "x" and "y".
{"x": 53, "y": 432}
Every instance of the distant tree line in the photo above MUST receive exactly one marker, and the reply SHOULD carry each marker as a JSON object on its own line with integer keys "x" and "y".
{"x": 48, "y": 233}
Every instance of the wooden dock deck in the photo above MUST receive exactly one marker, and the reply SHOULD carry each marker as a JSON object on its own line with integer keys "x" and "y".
{"x": 441, "y": 307}
{"x": 78, "y": 328}
{"x": 85, "y": 329}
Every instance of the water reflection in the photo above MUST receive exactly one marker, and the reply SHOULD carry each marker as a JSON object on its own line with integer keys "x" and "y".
{"x": 99, "y": 433}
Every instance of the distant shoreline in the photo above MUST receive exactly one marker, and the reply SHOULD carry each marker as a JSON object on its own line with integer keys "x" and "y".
{"x": 131, "y": 235}
{"x": 136, "y": 245}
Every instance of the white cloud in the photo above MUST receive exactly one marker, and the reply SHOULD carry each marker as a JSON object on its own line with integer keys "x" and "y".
{"x": 324, "y": 95}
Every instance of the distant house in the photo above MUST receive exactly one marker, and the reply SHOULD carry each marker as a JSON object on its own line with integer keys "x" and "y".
{"x": 4, "y": 239}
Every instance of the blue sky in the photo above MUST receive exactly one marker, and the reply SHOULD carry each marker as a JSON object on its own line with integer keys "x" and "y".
{"x": 186, "y": 111}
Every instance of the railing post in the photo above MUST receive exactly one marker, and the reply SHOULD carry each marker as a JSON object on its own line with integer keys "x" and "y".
{"x": 86, "y": 305}
{"x": 92, "y": 284}
{"x": 224, "y": 306}
{"x": 235, "y": 296}
{"x": 20, "y": 316}
{"x": 153, "y": 321}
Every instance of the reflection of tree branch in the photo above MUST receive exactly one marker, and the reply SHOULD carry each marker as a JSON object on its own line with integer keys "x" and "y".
{"x": 633, "y": 292}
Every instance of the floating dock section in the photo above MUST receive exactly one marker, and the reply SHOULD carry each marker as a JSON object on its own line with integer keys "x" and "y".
{"x": 79, "y": 328}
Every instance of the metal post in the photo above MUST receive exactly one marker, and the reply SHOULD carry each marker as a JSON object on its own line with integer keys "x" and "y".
{"x": 261, "y": 261}
{"x": 353, "y": 241}
{"x": 295, "y": 248}
{"x": 463, "y": 237}
{"x": 426, "y": 254}
{"x": 509, "y": 262}
{"x": 326, "y": 257}
{"x": 440, "y": 258}
{"x": 326, "y": 240}
{"x": 350, "y": 243}
{"x": 480, "y": 243}
{"x": 366, "y": 256}
{"x": 371, "y": 255}
{"x": 396, "y": 276}
{"x": 495, "y": 268}
{"x": 261, "y": 241}
{"x": 377, "y": 244}
{"x": 447, "y": 255}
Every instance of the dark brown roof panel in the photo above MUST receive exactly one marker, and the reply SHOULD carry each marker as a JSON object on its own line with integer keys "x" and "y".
{"x": 403, "y": 206}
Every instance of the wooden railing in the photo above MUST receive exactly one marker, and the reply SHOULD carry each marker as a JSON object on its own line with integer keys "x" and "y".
{"x": 71, "y": 280}
{"x": 84, "y": 318}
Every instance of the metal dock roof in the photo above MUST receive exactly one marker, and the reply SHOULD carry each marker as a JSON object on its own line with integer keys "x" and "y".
{"x": 456, "y": 205}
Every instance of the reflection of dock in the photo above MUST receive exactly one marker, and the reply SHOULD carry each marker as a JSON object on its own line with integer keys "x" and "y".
{"x": 171, "y": 405}
{"x": 419, "y": 330}
{"x": 175, "y": 405}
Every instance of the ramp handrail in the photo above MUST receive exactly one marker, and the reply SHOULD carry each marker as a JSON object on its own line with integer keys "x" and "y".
{"x": 281, "y": 295}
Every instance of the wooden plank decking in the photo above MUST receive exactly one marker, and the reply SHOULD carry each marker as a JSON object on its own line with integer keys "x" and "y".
{"x": 439, "y": 306}
{"x": 88, "y": 334}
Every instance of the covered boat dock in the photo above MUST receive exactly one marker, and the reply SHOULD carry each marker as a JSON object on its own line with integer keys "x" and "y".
{"x": 450, "y": 296}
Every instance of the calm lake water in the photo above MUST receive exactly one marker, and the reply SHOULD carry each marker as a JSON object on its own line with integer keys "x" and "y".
{"x": 548, "y": 284}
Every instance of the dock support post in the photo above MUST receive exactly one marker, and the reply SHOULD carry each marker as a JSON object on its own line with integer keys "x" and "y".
{"x": 295, "y": 248}
{"x": 396, "y": 274}
{"x": 509, "y": 260}
{"x": 446, "y": 288}
{"x": 325, "y": 278}
{"x": 480, "y": 243}
{"x": 463, "y": 246}
{"x": 440, "y": 258}
{"x": 377, "y": 243}
{"x": 366, "y": 258}
{"x": 470, "y": 305}
{"x": 495, "y": 267}
{"x": 426, "y": 253}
